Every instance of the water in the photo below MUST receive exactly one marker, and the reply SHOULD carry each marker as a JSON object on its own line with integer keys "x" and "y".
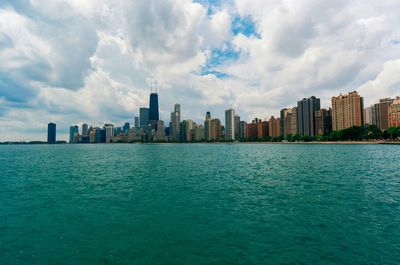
{"x": 200, "y": 204}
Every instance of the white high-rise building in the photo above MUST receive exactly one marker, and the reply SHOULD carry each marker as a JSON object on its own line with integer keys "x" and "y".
{"x": 109, "y": 132}
{"x": 230, "y": 125}
{"x": 176, "y": 123}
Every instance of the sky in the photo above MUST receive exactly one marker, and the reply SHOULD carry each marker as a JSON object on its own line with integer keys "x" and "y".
{"x": 73, "y": 61}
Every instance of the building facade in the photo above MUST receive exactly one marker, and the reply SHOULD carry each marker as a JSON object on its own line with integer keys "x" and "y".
{"x": 230, "y": 125}
{"x": 176, "y": 123}
{"x": 306, "y": 115}
{"x": 290, "y": 122}
{"x": 144, "y": 117}
{"x": 237, "y": 121}
{"x": 242, "y": 132}
{"x": 394, "y": 113}
{"x": 383, "y": 113}
{"x": 274, "y": 127}
{"x": 73, "y": 134}
{"x": 153, "y": 110}
{"x": 109, "y": 129}
{"x": 347, "y": 111}
{"x": 51, "y": 133}
{"x": 323, "y": 122}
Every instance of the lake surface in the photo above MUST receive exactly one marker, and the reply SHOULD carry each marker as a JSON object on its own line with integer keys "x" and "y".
{"x": 200, "y": 204}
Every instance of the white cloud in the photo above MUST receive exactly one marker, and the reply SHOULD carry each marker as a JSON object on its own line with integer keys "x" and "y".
{"x": 75, "y": 61}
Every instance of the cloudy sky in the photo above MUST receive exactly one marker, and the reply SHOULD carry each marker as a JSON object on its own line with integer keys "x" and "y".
{"x": 74, "y": 61}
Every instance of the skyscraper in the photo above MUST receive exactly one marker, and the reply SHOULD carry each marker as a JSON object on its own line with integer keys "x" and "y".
{"x": 394, "y": 113}
{"x": 208, "y": 115}
{"x": 306, "y": 115}
{"x": 347, "y": 111}
{"x": 186, "y": 128}
{"x": 284, "y": 113}
{"x": 137, "y": 123}
{"x": 242, "y": 130}
{"x": 73, "y": 134}
{"x": 290, "y": 122}
{"x": 159, "y": 135}
{"x": 383, "y": 113}
{"x": 323, "y": 121}
{"x": 85, "y": 129}
{"x": 175, "y": 123}
{"x": 144, "y": 117}
{"x": 51, "y": 133}
{"x": 153, "y": 109}
{"x": 126, "y": 127}
{"x": 274, "y": 127}
{"x": 207, "y": 127}
{"x": 237, "y": 121}
{"x": 230, "y": 125}
{"x": 109, "y": 128}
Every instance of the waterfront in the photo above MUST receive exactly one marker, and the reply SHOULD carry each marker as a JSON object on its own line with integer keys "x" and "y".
{"x": 200, "y": 204}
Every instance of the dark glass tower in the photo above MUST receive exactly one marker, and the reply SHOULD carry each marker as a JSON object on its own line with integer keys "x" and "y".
{"x": 153, "y": 108}
{"x": 51, "y": 133}
{"x": 306, "y": 115}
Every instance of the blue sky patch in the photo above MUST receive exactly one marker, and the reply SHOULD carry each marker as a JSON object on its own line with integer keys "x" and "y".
{"x": 244, "y": 25}
{"x": 218, "y": 57}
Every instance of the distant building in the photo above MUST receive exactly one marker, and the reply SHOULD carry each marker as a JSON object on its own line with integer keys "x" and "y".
{"x": 370, "y": 117}
{"x": 255, "y": 129}
{"x": 305, "y": 115}
{"x": 230, "y": 125}
{"x": 137, "y": 122}
{"x": 100, "y": 135}
{"x": 186, "y": 128}
{"x": 323, "y": 121}
{"x": 153, "y": 110}
{"x": 199, "y": 133}
{"x": 394, "y": 113}
{"x": 73, "y": 134}
{"x": 207, "y": 127}
{"x": 109, "y": 129}
{"x": 274, "y": 127}
{"x": 51, "y": 133}
{"x": 144, "y": 117}
{"x": 265, "y": 129}
{"x": 290, "y": 122}
{"x": 176, "y": 123}
{"x": 347, "y": 111}
{"x": 126, "y": 127}
{"x": 85, "y": 129}
{"x": 283, "y": 114}
{"x": 212, "y": 130}
{"x": 92, "y": 136}
{"x": 383, "y": 113}
{"x": 237, "y": 121}
{"x": 160, "y": 135}
{"x": 242, "y": 134}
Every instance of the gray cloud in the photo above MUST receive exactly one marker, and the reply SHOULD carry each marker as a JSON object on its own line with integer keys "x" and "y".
{"x": 90, "y": 61}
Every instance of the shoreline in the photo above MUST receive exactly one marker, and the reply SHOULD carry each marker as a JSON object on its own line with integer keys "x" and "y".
{"x": 296, "y": 143}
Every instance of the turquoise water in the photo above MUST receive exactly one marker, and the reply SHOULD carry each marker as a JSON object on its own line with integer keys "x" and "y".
{"x": 200, "y": 204}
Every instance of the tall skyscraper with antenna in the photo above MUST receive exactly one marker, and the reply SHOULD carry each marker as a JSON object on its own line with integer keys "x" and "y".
{"x": 154, "y": 115}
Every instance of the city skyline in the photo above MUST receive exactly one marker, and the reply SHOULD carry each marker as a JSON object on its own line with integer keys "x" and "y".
{"x": 307, "y": 121}
{"x": 71, "y": 62}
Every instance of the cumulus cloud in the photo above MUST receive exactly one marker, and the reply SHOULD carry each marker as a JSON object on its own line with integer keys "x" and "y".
{"x": 90, "y": 61}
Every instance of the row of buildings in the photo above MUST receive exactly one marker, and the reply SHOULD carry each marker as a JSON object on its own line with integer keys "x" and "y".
{"x": 307, "y": 118}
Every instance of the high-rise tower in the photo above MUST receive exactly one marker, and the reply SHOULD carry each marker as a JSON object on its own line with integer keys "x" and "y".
{"x": 153, "y": 109}
{"x": 230, "y": 124}
{"x": 176, "y": 122}
{"x": 347, "y": 111}
{"x": 51, "y": 133}
{"x": 306, "y": 115}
